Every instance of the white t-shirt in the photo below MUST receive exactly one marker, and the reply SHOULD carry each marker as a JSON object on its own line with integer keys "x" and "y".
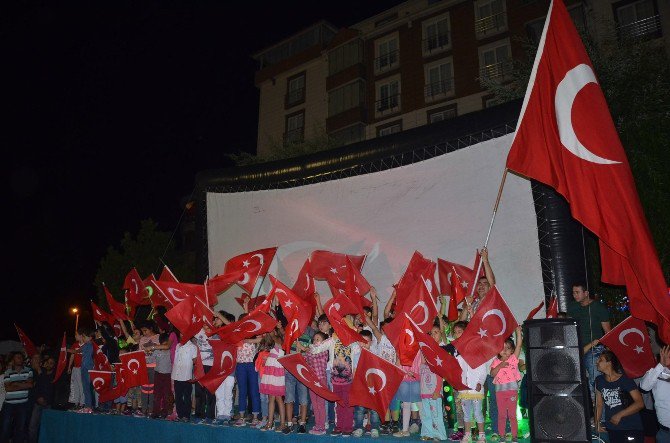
{"x": 206, "y": 352}
{"x": 182, "y": 368}
{"x": 383, "y": 348}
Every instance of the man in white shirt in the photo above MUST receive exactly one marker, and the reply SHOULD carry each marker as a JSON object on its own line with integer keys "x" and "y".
{"x": 182, "y": 374}
{"x": 657, "y": 380}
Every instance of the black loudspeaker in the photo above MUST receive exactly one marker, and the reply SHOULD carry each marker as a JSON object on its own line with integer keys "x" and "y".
{"x": 558, "y": 391}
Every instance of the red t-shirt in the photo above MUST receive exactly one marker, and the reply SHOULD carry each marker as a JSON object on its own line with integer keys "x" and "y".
{"x": 77, "y": 356}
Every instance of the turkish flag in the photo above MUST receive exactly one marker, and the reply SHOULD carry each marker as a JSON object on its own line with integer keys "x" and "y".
{"x": 136, "y": 292}
{"x": 323, "y": 263}
{"x": 401, "y": 335}
{"x": 445, "y": 270}
{"x": 249, "y": 263}
{"x": 221, "y": 283}
{"x": 420, "y": 305}
{"x": 345, "y": 333}
{"x": 102, "y": 383}
{"x": 566, "y": 139}
{"x": 167, "y": 275}
{"x": 187, "y": 317}
{"x": 177, "y": 292}
{"x": 487, "y": 331}
{"x": 262, "y": 303}
{"x": 225, "y": 359}
{"x": 458, "y": 287}
{"x": 100, "y": 361}
{"x": 414, "y": 269}
{"x": 343, "y": 305}
{"x": 534, "y": 311}
{"x": 629, "y": 340}
{"x": 350, "y": 280}
{"x": 297, "y": 365}
{"x": 135, "y": 368}
{"x": 552, "y": 310}
{"x": 298, "y": 312}
{"x": 198, "y": 367}
{"x": 62, "y": 360}
{"x": 440, "y": 361}
{"x": 120, "y": 372}
{"x": 117, "y": 309}
{"x": 375, "y": 383}
{"x": 304, "y": 283}
{"x": 101, "y": 316}
{"x": 26, "y": 342}
{"x": 256, "y": 323}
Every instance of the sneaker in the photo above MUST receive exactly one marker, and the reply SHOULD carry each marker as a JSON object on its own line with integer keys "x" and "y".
{"x": 358, "y": 433}
{"x": 128, "y": 412}
{"x": 467, "y": 438}
{"x": 384, "y": 430}
{"x": 261, "y": 423}
{"x": 414, "y": 428}
{"x": 317, "y": 431}
{"x": 508, "y": 437}
{"x": 254, "y": 422}
{"x": 394, "y": 428}
{"x": 197, "y": 421}
{"x": 240, "y": 422}
{"x": 336, "y": 432}
{"x": 456, "y": 436}
{"x": 401, "y": 434}
{"x": 495, "y": 437}
{"x": 138, "y": 414}
{"x": 184, "y": 420}
{"x": 287, "y": 430}
{"x": 374, "y": 433}
{"x": 481, "y": 438}
{"x": 346, "y": 434}
{"x": 302, "y": 429}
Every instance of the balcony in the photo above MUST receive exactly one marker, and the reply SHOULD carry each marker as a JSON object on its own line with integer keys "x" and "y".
{"x": 294, "y": 97}
{"x": 387, "y": 61}
{"x": 649, "y": 27}
{"x": 436, "y": 43}
{"x": 490, "y": 25}
{"x": 388, "y": 105}
{"x": 497, "y": 71}
{"x": 439, "y": 89}
{"x": 294, "y": 136}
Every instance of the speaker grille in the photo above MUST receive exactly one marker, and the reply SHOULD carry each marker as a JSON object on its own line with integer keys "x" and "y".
{"x": 555, "y": 365}
{"x": 546, "y": 336}
{"x": 559, "y": 418}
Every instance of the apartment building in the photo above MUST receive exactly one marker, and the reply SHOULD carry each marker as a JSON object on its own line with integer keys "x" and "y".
{"x": 414, "y": 64}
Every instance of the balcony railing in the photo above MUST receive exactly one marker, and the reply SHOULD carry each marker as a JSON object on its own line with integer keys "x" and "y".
{"x": 388, "y": 104}
{"x": 439, "y": 88}
{"x": 387, "y": 61}
{"x": 491, "y": 24}
{"x": 295, "y": 96}
{"x": 293, "y": 136}
{"x": 496, "y": 71}
{"x": 435, "y": 43}
{"x": 641, "y": 28}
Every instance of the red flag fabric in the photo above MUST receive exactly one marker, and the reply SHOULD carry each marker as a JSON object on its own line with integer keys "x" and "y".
{"x": 62, "y": 360}
{"x": 101, "y": 316}
{"x": 297, "y": 365}
{"x": 135, "y": 368}
{"x": 298, "y": 312}
{"x": 26, "y": 342}
{"x": 414, "y": 269}
{"x": 262, "y": 303}
{"x": 117, "y": 309}
{"x": 484, "y": 337}
{"x": 345, "y": 333}
{"x": 242, "y": 298}
{"x": 420, "y": 305}
{"x": 167, "y": 275}
{"x": 177, "y": 292}
{"x": 102, "y": 383}
{"x": 457, "y": 291}
{"x": 136, "y": 292}
{"x": 248, "y": 263}
{"x": 100, "y": 361}
{"x": 534, "y": 311}
{"x": 343, "y": 305}
{"x": 375, "y": 383}
{"x": 304, "y": 284}
{"x": 256, "y": 323}
{"x": 323, "y": 263}
{"x": 186, "y": 316}
{"x": 221, "y": 283}
{"x": 566, "y": 139}
{"x": 440, "y": 361}
{"x": 198, "y": 367}
{"x": 156, "y": 297}
{"x": 401, "y": 335}
{"x": 120, "y": 372}
{"x": 350, "y": 280}
{"x": 225, "y": 358}
{"x": 445, "y": 270}
{"x": 629, "y": 340}
{"x": 552, "y": 310}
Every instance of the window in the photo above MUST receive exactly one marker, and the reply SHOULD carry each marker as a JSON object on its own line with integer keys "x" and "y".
{"x": 348, "y": 135}
{"x": 346, "y": 55}
{"x": 437, "y": 115}
{"x": 534, "y": 28}
{"x": 295, "y": 128}
{"x": 436, "y": 35}
{"x": 495, "y": 62}
{"x": 490, "y": 17}
{"x": 638, "y": 19}
{"x": 346, "y": 97}
{"x": 439, "y": 79}
{"x": 390, "y": 128}
{"x": 388, "y": 97}
{"x": 295, "y": 90}
{"x": 387, "y": 55}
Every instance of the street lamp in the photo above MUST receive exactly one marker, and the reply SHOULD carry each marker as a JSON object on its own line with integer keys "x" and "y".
{"x": 75, "y": 311}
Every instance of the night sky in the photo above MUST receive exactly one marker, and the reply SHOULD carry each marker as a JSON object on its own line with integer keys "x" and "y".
{"x": 109, "y": 111}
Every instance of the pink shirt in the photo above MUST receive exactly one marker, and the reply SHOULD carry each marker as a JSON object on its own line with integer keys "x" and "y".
{"x": 509, "y": 374}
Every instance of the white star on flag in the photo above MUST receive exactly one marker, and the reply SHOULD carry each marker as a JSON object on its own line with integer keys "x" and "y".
{"x": 288, "y": 303}
{"x": 639, "y": 349}
{"x": 134, "y": 371}
{"x": 372, "y": 390}
{"x": 246, "y": 263}
{"x": 317, "y": 384}
{"x": 438, "y": 361}
{"x": 465, "y": 284}
{"x": 193, "y": 319}
{"x": 482, "y": 332}
{"x": 333, "y": 270}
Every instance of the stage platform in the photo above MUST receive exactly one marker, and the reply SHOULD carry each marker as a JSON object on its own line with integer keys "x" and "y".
{"x": 64, "y": 426}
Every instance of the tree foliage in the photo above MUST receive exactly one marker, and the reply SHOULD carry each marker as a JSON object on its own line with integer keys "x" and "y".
{"x": 143, "y": 251}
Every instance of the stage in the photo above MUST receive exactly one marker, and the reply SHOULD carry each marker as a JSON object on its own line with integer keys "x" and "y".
{"x": 64, "y": 426}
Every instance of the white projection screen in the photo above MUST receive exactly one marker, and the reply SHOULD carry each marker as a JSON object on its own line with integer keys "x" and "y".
{"x": 441, "y": 207}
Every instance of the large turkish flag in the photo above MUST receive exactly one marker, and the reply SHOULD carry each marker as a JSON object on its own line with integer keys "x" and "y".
{"x": 566, "y": 139}
{"x": 634, "y": 352}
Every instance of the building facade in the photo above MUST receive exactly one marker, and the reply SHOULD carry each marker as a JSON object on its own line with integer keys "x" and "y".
{"x": 420, "y": 62}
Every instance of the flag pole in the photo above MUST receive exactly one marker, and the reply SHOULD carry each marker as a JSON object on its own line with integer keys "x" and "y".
{"x": 259, "y": 290}
{"x": 94, "y": 322}
{"x": 206, "y": 302}
{"x": 488, "y": 234}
